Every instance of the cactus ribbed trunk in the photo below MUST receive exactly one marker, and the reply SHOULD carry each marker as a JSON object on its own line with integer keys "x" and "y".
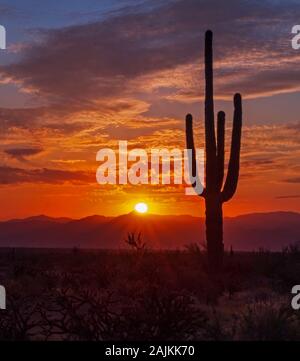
{"x": 214, "y": 231}
{"x": 215, "y": 192}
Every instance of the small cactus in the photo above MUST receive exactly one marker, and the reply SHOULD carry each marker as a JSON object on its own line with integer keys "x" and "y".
{"x": 135, "y": 242}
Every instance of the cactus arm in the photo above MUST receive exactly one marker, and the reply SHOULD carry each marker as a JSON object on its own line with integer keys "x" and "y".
{"x": 191, "y": 145}
{"x": 234, "y": 161}
{"x": 190, "y": 141}
{"x": 220, "y": 149}
{"x": 210, "y": 138}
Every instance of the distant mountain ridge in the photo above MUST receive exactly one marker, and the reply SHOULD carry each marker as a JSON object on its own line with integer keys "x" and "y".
{"x": 271, "y": 231}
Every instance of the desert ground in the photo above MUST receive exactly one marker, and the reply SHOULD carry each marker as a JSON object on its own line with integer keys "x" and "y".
{"x": 140, "y": 294}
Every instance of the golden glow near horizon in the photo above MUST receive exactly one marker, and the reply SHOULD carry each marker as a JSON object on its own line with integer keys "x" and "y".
{"x": 141, "y": 207}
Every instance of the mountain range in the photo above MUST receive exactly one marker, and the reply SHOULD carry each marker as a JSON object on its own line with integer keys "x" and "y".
{"x": 271, "y": 231}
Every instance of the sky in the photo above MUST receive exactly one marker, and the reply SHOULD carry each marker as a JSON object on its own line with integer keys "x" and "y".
{"x": 78, "y": 76}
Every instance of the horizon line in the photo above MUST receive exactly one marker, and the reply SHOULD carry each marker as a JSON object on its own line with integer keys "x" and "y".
{"x": 139, "y": 215}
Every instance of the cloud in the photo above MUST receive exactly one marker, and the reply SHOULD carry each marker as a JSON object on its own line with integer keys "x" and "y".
{"x": 22, "y": 153}
{"x": 16, "y": 48}
{"x": 7, "y": 11}
{"x": 292, "y": 180}
{"x": 50, "y": 119}
{"x": 10, "y": 175}
{"x": 68, "y": 161}
{"x": 288, "y": 196}
{"x": 112, "y": 57}
{"x": 23, "y": 117}
{"x": 140, "y": 128}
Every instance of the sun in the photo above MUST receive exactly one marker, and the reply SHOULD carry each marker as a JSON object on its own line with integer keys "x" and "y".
{"x": 141, "y": 208}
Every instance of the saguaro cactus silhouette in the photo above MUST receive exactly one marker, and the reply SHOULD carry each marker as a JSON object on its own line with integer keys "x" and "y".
{"x": 215, "y": 193}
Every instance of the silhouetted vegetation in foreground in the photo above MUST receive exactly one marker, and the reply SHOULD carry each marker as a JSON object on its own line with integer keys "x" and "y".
{"x": 103, "y": 295}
